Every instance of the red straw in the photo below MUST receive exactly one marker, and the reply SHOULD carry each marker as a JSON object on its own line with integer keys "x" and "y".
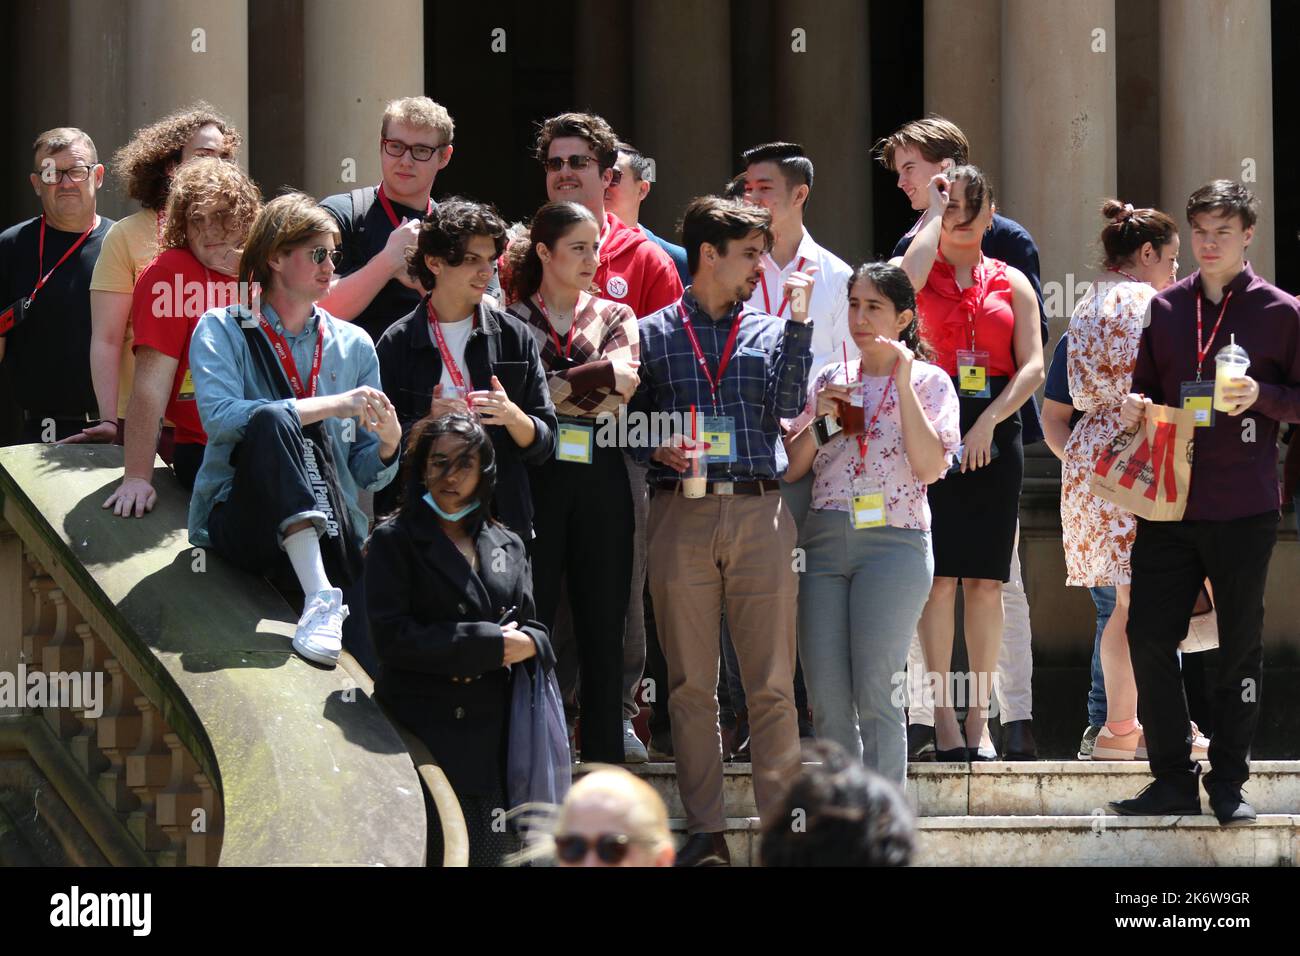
{"x": 692, "y": 426}
{"x": 845, "y": 345}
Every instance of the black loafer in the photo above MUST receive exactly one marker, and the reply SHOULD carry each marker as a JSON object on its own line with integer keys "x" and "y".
{"x": 1164, "y": 796}
{"x": 704, "y": 849}
{"x": 1229, "y": 806}
{"x": 1018, "y": 741}
{"x": 955, "y": 755}
{"x": 920, "y": 742}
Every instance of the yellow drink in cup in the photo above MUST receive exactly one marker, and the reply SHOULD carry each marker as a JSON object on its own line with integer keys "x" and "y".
{"x": 1230, "y": 363}
{"x": 695, "y": 480}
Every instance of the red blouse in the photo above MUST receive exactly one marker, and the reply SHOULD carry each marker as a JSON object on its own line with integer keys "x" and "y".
{"x": 948, "y": 314}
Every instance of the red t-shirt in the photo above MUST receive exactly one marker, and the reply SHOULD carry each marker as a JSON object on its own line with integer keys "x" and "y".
{"x": 169, "y": 298}
{"x": 949, "y": 314}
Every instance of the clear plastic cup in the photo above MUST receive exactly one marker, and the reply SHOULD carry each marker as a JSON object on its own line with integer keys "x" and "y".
{"x": 1231, "y": 362}
{"x": 695, "y": 479}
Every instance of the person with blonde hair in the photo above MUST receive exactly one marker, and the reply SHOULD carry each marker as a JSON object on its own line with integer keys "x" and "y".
{"x": 296, "y": 423}
{"x": 611, "y": 817}
{"x": 210, "y": 208}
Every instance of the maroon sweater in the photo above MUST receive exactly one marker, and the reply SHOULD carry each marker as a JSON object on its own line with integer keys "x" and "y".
{"x": 1231, "y": 476}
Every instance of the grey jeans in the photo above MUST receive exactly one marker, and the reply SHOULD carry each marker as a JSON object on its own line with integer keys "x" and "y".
{"x": 860, "y": 597}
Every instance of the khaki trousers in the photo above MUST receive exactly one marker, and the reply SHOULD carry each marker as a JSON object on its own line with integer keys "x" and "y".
{"x": 702, "y": 552}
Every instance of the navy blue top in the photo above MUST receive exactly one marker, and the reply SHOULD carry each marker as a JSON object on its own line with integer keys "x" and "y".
{"x": 675, "y": 252}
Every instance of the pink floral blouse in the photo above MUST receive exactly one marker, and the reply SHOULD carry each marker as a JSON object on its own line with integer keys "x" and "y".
{"x": 886, "y": 467}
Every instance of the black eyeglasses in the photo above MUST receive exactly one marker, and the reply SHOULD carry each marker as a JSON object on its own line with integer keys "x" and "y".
{"x": 556, "y": 163}
{"x": 611, "y": 848}
{"x": 75, "y": 174}
{"x": 422, "y": 154}
{"x": 319, "y": 254}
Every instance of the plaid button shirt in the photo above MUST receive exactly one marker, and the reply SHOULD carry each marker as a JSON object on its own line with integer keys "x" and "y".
{"x": 765, "y": 380}
{"x": 603, "y": 331}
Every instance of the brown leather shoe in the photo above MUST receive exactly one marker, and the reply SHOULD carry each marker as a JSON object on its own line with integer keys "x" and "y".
{"x": 704, "y": 849}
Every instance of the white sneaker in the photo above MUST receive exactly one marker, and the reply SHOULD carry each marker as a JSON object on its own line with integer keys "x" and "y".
{"x": 319, "y": 636}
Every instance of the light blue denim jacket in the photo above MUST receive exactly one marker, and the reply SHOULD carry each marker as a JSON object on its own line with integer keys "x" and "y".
{"x": 229, "y": 388}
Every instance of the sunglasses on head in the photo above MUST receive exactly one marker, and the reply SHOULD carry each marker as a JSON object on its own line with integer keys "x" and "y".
{"x": 556, "y": 163}
{"x": 611, "y": 848}
{"x": 320, "y": 253}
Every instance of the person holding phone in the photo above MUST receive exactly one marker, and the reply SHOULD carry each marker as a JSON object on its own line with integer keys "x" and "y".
{"x": 451, "y": 611}
{"x": 455, "y": 353}
{"x": 582, "y": 502}
{"x": 980, "y": 316}
{"x": 867, "y": 535}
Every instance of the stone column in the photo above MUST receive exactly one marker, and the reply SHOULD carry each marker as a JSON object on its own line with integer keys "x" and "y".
{"x": 681, "y": 94}
{"x": 602, "y": 64}
{"x": 1216, "y": 110}
{"x": 351, "y": 70}
{"x": 97, "y": 36}
{"x": 820, "y": 61}
{"x": 963, "y": 74}
{"x": 187, "y": 50}
{"x": 1058, "y": 135}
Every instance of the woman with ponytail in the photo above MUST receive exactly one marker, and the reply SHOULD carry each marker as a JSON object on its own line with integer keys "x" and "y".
{"x": 866, "y": 538}
{"x": 582, "y": 502}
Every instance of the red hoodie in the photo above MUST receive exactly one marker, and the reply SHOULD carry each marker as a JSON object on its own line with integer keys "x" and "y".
{"x": 635, "y": 271}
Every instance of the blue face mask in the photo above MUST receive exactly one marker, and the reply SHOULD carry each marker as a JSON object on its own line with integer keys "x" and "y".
{"x": 444, "y": 515}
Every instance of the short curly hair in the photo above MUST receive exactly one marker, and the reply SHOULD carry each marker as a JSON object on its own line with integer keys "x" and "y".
{"x": 141, "y": 165}
{"x": 447, "y": 231}
{"x": 202, "y": 180}
{"x": 600, "y": 136}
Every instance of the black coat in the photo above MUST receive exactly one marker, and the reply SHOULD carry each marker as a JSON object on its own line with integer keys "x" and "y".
{"x": 431, "y": 619}
{"x": 410, "y": 366}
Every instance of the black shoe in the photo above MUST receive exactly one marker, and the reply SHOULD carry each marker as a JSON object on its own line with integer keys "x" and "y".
{"x": 661, "y": 746}
{"x": 704, "y": 849}
{"x": 920, "y": 742}
{"x": 1018, "y": 741}
{"x": 1229, "y": 806}
{"x": 955, "y": 755}
{"x": 1164, "y": 796}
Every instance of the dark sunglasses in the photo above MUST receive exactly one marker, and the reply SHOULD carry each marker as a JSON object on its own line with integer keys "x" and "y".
{"x": 611, "y": 848}
{"x": 320, "y": 253}
{"x": 556, "y": 163}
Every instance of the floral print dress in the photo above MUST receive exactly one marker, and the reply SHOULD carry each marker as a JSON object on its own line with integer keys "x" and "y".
{"x": 1105, "y": 331}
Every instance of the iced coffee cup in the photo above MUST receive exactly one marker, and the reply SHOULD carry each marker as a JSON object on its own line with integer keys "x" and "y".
{"x": 695, "y": 479}
{"x": 851, "y": 414}
{"x": 1230, "y": 363}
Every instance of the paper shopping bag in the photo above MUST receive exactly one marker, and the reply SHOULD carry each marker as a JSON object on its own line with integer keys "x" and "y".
{"x": 1149, "y": 471}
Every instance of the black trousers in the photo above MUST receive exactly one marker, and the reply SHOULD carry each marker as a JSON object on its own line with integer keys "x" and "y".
{"x": 270, "y": 485}
{"x": 584, "y": 526}
{"x": 1170, "y": 560}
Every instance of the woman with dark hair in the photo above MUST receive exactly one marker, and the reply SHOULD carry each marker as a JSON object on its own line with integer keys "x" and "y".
{"x": 887, "y": 427}
{"x": 1140, "y": 258}
{"x": 455, "y": 353}
{"x": 451, "y": 610}
{"x": 582, "y": 503}
{"x": 980, "y": 317}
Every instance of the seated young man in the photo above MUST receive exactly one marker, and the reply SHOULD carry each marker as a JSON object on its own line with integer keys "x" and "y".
{"x": 210, "y": 208}
{"x": 290, "y": 400}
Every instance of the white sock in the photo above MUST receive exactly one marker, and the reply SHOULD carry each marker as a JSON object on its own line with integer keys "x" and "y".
{"x": 303, "y": 548}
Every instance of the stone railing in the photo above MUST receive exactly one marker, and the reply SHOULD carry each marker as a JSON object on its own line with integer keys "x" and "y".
{"x": 212, "y": 742}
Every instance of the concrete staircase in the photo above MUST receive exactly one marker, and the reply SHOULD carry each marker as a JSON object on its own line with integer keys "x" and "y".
{"x": 1048, "y": 813}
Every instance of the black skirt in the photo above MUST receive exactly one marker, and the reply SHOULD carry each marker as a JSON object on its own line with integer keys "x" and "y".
{"x": 974, "y": 515}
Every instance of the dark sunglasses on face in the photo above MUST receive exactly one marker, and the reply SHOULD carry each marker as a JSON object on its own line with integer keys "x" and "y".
{"x": 555, "y": 163}
{"x": 320, "y": 253}
{"x": 611, "y": 848}
{"x": 395, "y": 147}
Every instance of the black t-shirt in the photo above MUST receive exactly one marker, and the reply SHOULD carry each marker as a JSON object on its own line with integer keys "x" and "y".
{"x": 48, "y": 355}
{"x": 363, "y": 237}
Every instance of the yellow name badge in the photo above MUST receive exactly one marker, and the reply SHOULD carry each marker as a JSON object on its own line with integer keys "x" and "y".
{"x": 1203, "y": 407}
{"x": 868, "y": 511}
{"x": 186, "y": 391}
{"x": 973, "y": 378}
{"x": 573, "y": 443}
{"x": 719, "y": 445}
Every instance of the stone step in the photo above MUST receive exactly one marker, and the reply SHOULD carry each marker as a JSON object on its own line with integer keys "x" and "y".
{"x": 996, "y": 789}
{"x": 1093, "y": 840}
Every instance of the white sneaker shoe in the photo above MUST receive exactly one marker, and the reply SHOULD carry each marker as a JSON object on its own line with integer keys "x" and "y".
{"x": 319, "y": 637}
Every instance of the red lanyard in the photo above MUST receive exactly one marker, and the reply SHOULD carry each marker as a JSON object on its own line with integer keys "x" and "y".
{"x": 767, "y": 303}
{"x": 1126, "y": 275}
{"x": 699, "y": 352}
{"x": 435, "y": 327}
{"x": 1203, "y": 348}
{"x": 863, "y": 440}
{"x": 388, "y": 207}
{"x": 977, "y": 281}
{"x": 40, "y": 266}
{"x": 568, "y": 343}
{"x": 285, "y": 355}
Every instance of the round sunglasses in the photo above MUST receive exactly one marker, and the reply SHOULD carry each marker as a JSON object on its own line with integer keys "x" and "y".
{"x": 320, "y": 253}
{"x": 611, "y": 848}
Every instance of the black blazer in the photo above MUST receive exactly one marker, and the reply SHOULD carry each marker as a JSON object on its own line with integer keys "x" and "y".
{"x": 410, "y": 366}
{"x": 431, "y": 619}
